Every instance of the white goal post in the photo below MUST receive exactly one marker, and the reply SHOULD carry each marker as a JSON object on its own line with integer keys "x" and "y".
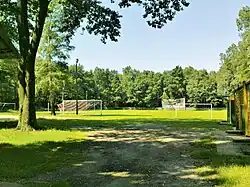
{"x": 174, "y": 104}
{"x": 201, "y": 106}
{"x": 83, "y": 105}
{"x": 7, "y": 106}
{"x": 180, "y": 104}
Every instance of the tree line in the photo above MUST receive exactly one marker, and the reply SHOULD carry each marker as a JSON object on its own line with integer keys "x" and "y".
{"x": 130, "y": 88}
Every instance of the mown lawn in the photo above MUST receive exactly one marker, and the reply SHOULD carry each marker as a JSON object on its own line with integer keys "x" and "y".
{"x": 227, "y": 171}
{"x": 119, "y": 148}
{"x": 132, "y": 114}
{"x": 25, "y": 154}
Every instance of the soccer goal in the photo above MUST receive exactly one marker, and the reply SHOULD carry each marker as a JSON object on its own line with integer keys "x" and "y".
{"x": 89, "y": 106}
{"x": 174, "y": 104}
{"x": 7, "y": 106}
{"x": 201, "y": 107}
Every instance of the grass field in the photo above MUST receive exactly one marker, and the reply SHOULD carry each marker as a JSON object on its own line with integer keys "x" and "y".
{"x": 120, "y": 148}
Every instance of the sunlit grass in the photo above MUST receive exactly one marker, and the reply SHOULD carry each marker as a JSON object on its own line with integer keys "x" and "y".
{"x": 226, "y": 170}
{"x": 14, "y": 137}
{"x": 234, "y": 176}
{"x": 132, "y": 114}
{"x": 226, "y": 176}
{"x": 145, "y": 114}
{"x": 26, "y": 154}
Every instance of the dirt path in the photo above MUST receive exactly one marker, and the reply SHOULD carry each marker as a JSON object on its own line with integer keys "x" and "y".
{"x": 147, "y": 155}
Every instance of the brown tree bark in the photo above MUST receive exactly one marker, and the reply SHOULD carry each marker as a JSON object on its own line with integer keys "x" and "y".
{"x": 53, "y": 109}
{"x": 28, "y": 51}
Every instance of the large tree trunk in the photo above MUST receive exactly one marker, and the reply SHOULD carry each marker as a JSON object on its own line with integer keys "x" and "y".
{"x": 27, "y": 113}
{"x": 21, "y": 93}
{"x": 28, "y": 43}
{"x": 53, "y": 109}
{"x": 52, "y": 104}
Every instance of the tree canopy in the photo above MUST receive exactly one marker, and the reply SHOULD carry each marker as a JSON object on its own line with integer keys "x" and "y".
{"x": 235, "y": 61}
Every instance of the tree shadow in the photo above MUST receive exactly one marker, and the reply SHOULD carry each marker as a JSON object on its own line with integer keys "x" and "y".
{"x": 8, "y": 123}
{"x": 99, "y": 162}
{"x": 223, "y": 169}
{"x": 87, "y": 124}
{"x": 135, "y": 152}
{"x": 122, "y": 152}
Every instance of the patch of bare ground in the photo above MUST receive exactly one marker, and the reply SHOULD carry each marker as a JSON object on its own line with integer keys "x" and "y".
{"x": 140, "y": 156}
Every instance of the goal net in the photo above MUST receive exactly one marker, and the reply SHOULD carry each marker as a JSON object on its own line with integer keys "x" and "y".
{"x": 174, "y": 104}
{"x": 83, "y": 105}
{"x": 7, "y": 106}
{"x": 201, "y": 107}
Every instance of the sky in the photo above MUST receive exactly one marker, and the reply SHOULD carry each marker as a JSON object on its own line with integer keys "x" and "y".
{"x": 195, "y": 38}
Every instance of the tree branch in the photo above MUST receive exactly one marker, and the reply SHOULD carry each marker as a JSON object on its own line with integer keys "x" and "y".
{"x": 38, "y": 30}
{"x": 23, "y": 29}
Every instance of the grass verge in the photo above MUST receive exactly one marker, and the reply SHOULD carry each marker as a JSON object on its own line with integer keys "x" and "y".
{"x": 223, "y": 170}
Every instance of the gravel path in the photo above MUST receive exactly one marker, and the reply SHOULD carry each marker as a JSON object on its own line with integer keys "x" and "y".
{"x": 148, "y": 155}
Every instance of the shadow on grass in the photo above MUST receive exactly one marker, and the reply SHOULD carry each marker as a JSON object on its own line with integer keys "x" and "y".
{"x": 8, "y": 124}
{"x": 227, "y": 168}
{"x": 87, "y": 124}
{"x": 124, "y": 153}
{"x": 98, "y": 163}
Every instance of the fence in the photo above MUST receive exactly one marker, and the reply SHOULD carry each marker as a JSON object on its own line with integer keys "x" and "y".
{"x": 239, "y": 108}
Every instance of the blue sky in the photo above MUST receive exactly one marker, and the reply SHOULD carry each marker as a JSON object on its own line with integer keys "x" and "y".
{"x": 195, "y": 38}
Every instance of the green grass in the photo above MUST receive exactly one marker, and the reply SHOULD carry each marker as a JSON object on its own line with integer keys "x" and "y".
{"x": 35, "y": 137}
{"x": 227, "y": 171}
{"x": 131, "y": 114}
{"x": 235, "y": 176}
{"x": 26, "y": 155}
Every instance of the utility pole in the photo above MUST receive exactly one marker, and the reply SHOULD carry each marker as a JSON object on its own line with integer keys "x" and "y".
{"x": 76, "y": 88}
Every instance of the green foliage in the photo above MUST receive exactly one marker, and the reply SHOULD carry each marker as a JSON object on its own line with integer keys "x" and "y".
{"x": 51, "y": 62}
{"x": 50, "y": 79}
{"x": 235, "y": 62}
{"x": 131, "y": 88}
{"x": 54, "y": 45}
{"x": 8, "y": 81}
{"x": 202, "y": 87}
{"x": 243, "y": 21}
{"x": 175, "y": 83}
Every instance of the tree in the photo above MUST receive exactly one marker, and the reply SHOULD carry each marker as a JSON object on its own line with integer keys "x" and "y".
{"x": 8, "y": 80}
{"x": 50, "y": 81}
{"x": 235, "y": 62}
{"x": 227, "y": 74}
{"x": 243, "y": 21}
{"x": 102, "y": 78}
{"x": 52, "y": 55}
{"x": 28, "y": 16}
{"x": 118, "y": 94}
{"x": 147, "y": 89}
{"x": 202, "y": 87}
{"x": 128, "y": 85}
{"x": 175, "y": 83}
